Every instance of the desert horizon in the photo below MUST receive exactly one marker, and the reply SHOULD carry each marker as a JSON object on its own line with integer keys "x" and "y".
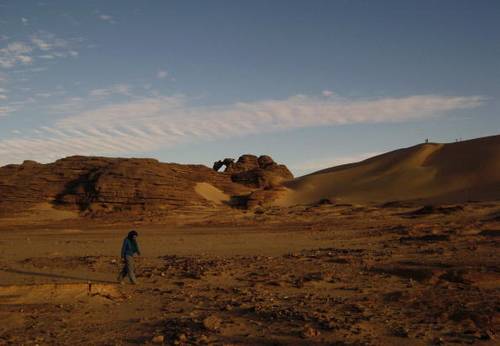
{"x": 283, "y": 172}
{"x": 244, "y": 253}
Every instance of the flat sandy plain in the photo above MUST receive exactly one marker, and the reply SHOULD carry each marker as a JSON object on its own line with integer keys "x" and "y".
{"x": 321, "y": 275}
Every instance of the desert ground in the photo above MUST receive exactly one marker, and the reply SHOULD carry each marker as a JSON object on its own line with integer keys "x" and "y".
{"x": 398, "y": 249}
{"x": 323, "y": 274}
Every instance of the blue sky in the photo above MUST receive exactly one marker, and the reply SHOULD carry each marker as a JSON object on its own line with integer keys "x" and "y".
{"x": 311, "y": 83}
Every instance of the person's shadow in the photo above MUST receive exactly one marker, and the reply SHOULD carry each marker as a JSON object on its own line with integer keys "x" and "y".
{"x": 56, "y": 276}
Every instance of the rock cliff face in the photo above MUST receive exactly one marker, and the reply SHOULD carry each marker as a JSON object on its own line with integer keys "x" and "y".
{"x": 99, "y": 185}
{"x": 256, "y": 172}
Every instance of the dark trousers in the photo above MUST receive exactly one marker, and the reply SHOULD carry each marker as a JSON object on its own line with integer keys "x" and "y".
{"x": 128, "y": 270}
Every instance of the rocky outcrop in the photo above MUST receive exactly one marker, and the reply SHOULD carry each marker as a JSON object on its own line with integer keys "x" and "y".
{"x": 227, "y": 163}
{"x": 245, "y": 163}
{"x": 256, "y": 172}
{"x": 96, "y": 185}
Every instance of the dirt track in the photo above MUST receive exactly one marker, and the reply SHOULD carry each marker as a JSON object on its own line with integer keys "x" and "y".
{"x": 305, "y": 275}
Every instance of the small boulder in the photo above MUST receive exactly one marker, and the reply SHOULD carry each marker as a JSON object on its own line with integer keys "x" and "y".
{"x": 400, "y": 331}
{"x": 212, "y": 322}
{"x": 309, "y": 332}
{"x": 159, "y": 339}
{"x": 202, "y": 339}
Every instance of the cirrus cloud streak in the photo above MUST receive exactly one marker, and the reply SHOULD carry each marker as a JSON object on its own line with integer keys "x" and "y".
{"x": 152, "y": 123}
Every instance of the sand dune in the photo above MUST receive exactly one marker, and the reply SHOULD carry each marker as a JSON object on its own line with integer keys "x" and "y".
{"x": 443, "y": 173}
{"x": 211, "y": 193}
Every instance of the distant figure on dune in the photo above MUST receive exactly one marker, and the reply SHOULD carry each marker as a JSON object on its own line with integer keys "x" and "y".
{"x": 129, "y": 249}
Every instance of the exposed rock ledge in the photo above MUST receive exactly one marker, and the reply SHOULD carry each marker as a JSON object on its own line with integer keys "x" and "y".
{"x": 99, "y": 186}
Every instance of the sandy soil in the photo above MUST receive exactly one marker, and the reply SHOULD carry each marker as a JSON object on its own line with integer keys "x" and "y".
{"x": 329, "y": 274}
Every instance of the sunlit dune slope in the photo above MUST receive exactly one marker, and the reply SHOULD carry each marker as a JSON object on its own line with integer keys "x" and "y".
{"x": 442, "y": 173}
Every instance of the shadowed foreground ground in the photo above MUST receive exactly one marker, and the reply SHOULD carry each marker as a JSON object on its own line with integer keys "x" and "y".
{"x": 341, "y": 275}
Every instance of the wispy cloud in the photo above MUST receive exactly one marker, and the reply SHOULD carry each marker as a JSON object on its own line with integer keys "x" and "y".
{"x": 5, "y": 110}
{"x": 107, "y": 18}
{"x": 69, "y": 105}
{"x": 42, "y": 44}
{"x": 15, "y": 53}
{"x": 120, "y": 89}
{"x": 161, "y": 74}
{"x": 3, "y": 92}
{"x": 150, "y": 123}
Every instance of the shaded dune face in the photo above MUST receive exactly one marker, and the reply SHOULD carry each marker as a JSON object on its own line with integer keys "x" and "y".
{"x": 454, "y": 172}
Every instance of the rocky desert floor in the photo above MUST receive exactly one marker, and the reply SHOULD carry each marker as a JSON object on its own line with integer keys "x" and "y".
{"x": 309, "y": 275}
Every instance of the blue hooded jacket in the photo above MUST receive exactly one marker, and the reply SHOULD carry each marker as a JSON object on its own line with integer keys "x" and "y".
{"x": 130, "y": 246}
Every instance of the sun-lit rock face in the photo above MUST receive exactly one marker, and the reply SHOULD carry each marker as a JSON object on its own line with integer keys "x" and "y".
{"x": 101, "y": 185}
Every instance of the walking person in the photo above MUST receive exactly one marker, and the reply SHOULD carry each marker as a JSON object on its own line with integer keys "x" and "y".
{"x": 129, "y": 249}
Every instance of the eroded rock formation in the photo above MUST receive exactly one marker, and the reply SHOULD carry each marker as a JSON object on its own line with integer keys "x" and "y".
{"x": 227, "y": 163}
{"x": 97, "y": 186}
{"x": 100, "y": 185}
{"x": 253, "y": 171}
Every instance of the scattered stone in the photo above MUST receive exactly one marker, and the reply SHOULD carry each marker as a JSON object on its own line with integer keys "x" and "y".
{"x": 159, "y": 339}
{"x": 437, "y": 341}
{"x": 309, "y": 332}
{"x": 212, "y": 322}
{"x": 202, "y": 339}
{"x": 455, "y": 275}
{"x": 400, "y": 331}
{"x": 181, "y": 338}
{"x": 488, "y": 335}
{"x": 259, "y": 211}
